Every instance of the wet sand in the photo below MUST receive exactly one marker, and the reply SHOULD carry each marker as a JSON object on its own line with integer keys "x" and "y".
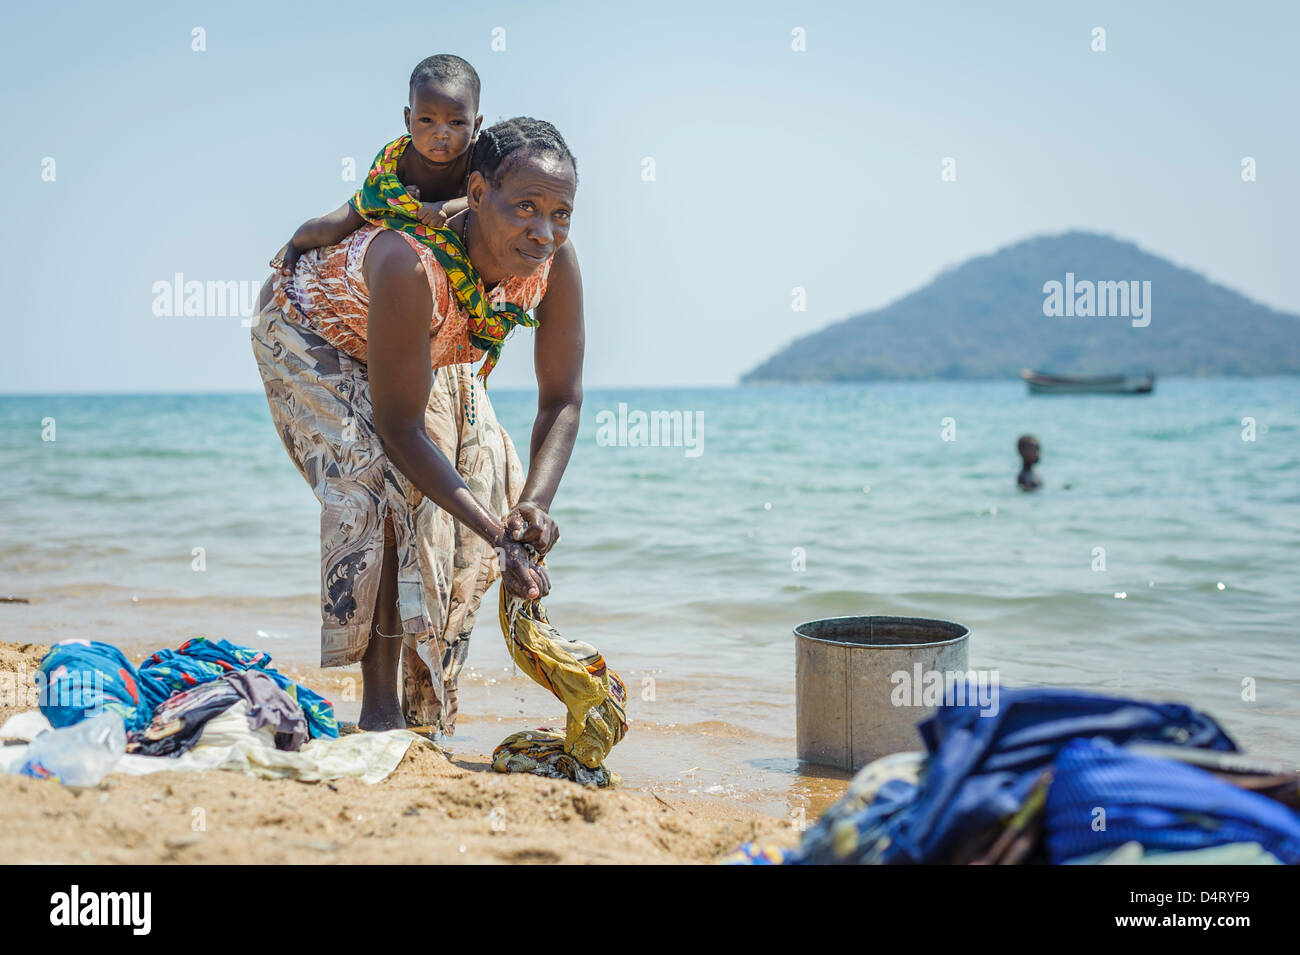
{"x": 743, "y": 760}
{"x": 708, "y": 758}
{"x": 437, "y": 807}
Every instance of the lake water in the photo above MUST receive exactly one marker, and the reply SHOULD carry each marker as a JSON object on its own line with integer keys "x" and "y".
{"x": 1160, "y": 559}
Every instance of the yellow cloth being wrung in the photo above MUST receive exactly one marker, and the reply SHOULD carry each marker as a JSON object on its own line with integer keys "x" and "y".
{"x": 575, "y": 672}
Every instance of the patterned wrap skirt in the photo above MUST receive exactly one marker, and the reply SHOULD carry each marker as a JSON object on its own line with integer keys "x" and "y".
{"x": 320, "y": 403}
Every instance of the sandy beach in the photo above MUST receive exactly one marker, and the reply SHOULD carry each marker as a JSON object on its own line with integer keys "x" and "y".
{"x": 434, "y": 808}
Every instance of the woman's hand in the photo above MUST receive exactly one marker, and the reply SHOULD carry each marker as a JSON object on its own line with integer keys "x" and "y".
{"x": 530, "y": 524}
{"x": 285, "y": 259}
{"x": 519, "y": 575}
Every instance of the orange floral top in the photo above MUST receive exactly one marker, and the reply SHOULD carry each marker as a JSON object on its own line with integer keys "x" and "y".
{"x": 327, "y": 294}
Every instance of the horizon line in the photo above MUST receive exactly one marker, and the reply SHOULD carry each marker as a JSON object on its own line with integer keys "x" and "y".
{"x": 703, "y": 387}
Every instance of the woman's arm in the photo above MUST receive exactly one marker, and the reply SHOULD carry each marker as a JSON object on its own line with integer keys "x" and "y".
{"x": 557, "y": 357}
{"x": 397, "y": 343}
{"x": 329, "y": 229}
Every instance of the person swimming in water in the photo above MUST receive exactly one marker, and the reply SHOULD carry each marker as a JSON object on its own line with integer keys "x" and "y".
{"x": 1029, "y": 450}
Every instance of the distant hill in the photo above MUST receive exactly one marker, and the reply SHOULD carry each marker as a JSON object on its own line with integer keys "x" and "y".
{"x": 985, "y": 319}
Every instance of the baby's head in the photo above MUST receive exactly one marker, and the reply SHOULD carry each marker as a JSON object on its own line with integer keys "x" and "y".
{"x": 1028, "y": 448}
{"x": 443, "y": 116}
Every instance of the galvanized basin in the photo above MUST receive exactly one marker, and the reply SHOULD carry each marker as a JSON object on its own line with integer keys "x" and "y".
{"x": 845, "y": 688}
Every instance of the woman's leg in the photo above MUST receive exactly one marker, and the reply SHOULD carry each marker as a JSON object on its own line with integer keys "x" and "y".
{"x": 380, "y": 707}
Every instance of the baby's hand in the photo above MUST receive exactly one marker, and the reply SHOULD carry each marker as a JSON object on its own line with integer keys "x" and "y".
{"x": 431, "y": 214}
{"x": 285, "y": 259}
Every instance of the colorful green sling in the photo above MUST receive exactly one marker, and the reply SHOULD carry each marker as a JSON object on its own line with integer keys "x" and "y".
{"x": 383, "y": 200}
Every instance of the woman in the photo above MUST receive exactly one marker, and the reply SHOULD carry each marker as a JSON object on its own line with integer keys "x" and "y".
{"x": 365, "y": 354}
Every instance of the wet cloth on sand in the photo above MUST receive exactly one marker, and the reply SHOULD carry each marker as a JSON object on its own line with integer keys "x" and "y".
{"x": 319, "y": 399}
{"x": 575, "y": 672}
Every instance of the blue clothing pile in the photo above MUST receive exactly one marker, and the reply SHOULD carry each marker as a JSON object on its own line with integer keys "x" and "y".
{"x": 1103, "y": 797}
{"x": 1037, "y": 769}
{"x": 83, "y": 676}
{"x": 199, "y": 660}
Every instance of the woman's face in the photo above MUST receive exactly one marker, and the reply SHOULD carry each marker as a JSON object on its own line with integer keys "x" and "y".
{"x": 522, "y": 221}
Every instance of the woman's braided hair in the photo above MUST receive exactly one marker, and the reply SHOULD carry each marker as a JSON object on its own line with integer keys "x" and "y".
{"x": 504, "y": 143}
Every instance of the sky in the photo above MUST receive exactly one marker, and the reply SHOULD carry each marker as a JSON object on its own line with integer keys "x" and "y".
{"x": 134, "y": 157}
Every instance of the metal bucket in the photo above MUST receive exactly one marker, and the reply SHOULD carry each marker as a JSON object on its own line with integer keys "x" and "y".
{"x": 846, "y": 715}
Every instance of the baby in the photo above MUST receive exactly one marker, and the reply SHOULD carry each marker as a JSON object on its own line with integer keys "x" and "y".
{"x": 442, "y": 121}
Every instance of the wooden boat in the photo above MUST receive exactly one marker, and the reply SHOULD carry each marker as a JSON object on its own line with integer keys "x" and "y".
{"x": 1041, "y": 383}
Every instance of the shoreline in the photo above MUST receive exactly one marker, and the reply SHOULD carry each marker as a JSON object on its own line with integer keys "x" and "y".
{"x": 437, "y": 807}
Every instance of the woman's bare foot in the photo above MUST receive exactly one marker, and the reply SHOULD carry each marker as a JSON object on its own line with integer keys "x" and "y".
{"x": 380, "y": 718}
{"x": 380, "y": 707}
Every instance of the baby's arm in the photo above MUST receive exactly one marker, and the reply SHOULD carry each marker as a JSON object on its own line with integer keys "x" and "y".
{"x": 329, "y": 229}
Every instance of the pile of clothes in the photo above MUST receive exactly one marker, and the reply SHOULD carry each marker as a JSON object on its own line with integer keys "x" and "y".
{"x": 166, "y": 704}
{"x": 1059, "y": 776}
{"x": 207, "y": 705}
